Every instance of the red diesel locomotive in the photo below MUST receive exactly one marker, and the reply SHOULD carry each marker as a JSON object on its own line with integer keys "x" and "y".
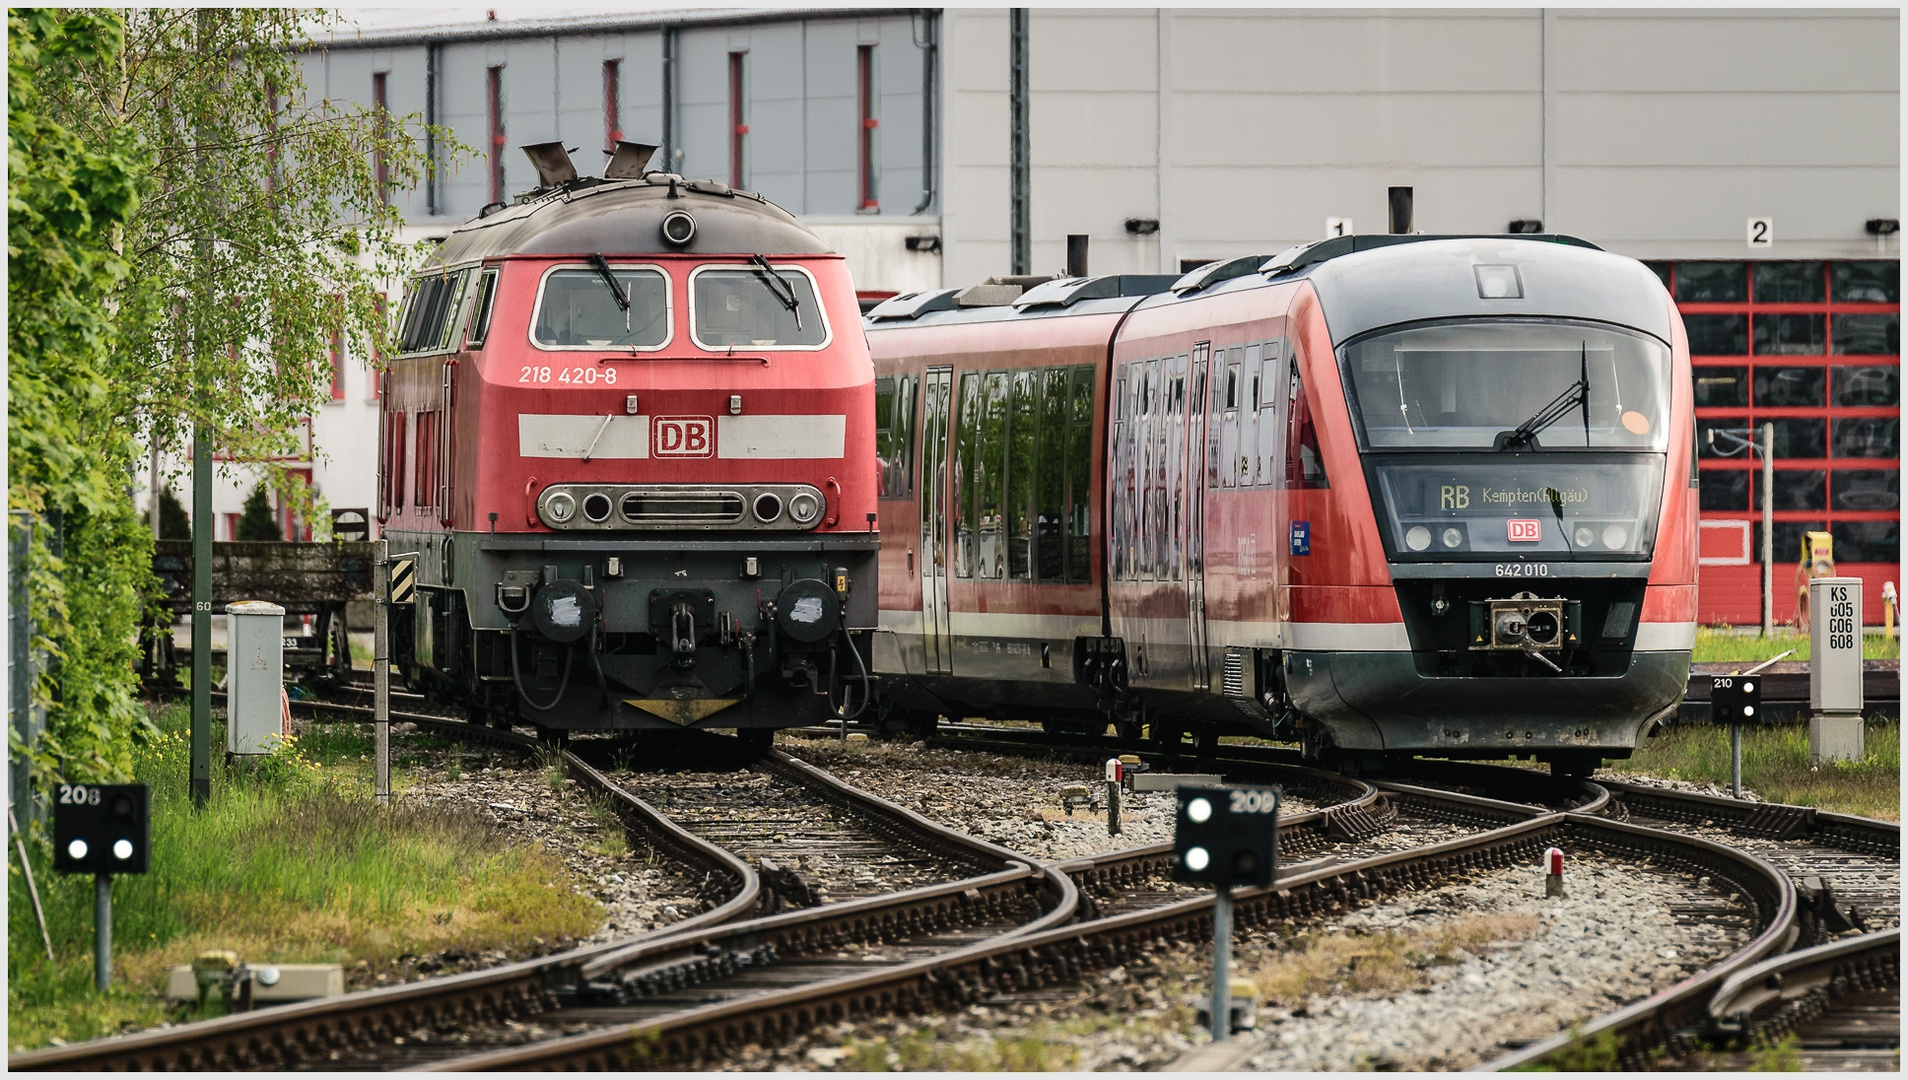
{"x": 629, "y": 434}
{"x": 1384, "y": 495}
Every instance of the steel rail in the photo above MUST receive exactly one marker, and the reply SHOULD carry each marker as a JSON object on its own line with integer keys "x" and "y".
{"x": 695, "y": 1037}
{"x": 1868, "y": 836}
{"x": 1771, "y": 998}
{"x": 285, "y": 1032}
{"x": 1646, "y": 1026}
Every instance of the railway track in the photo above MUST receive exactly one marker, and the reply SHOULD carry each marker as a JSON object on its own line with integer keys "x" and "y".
{"x": 1845, "y": 873}
{"x": 700, "y": 1035}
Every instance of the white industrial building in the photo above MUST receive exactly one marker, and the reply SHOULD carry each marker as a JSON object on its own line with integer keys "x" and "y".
{"x": 1172, "y": 137}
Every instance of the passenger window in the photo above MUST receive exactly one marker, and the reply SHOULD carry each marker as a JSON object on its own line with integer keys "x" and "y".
{"x": 1304, "y": 465}
{"x": 1021, "y": 430}
{"x": 967, "y": 450}
{"x": 894, "y": 434}
{"x": 1080, "y": 477}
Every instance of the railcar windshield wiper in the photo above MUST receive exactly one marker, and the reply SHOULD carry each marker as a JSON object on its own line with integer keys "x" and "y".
{"x": 782, "y": 289}
{"x": 1575, "y": 396}
{"x": 622, "y": 299}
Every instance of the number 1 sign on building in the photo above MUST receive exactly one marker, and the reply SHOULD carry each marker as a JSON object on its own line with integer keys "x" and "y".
{"x": 1835, "y": 669}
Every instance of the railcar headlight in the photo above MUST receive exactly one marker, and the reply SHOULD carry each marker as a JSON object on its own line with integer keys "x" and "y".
{"x": 1417, "y": 538}
{"x": 1453, "y": 537}
{"x": 804, "y": 507}
{"x": 1615, "y": 536}
{"x": 1584, "y": 536}
{"x": 560, "y": 507}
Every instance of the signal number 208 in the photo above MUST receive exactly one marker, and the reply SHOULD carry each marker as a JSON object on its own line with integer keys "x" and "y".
{"x": 1254, "y": 802}
{"x": 576, "y": 376}
{"x": 78, "y": 795}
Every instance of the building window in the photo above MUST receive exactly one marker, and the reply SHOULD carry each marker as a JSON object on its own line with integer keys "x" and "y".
{"x": 337, "y": 365}
{"x": 378, "y": 164}
{"x": 739, "y": 119}
{"x": 494, "y": 102}
{"x": 612, "y": 104}
{"x": 1813, "y": 350}
{"x": 868, "y": 78}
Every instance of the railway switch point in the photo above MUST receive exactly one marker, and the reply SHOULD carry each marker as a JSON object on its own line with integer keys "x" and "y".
{"x": 1553, "y": 872}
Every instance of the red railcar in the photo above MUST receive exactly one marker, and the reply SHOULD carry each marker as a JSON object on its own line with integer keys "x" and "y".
{"x": 1385, "y": 495}
{"x": 630, "y": 436}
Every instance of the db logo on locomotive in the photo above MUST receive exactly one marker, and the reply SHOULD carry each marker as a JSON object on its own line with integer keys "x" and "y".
{"x": 684, "y": 436}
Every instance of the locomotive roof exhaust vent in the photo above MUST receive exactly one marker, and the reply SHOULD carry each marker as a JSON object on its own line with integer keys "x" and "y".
{"x": 553, "y": 163}
{"x": 628, "y": 160}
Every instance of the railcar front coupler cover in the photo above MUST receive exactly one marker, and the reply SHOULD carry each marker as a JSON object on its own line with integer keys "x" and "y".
{"x": 1524, "y": 622}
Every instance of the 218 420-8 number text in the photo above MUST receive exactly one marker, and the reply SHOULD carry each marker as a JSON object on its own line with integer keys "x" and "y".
{"x": 571, "y": 376}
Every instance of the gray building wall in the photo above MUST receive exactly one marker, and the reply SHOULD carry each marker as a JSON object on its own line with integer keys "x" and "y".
{"x": 1655, "y": 133}
{"x": 803, "y": 100}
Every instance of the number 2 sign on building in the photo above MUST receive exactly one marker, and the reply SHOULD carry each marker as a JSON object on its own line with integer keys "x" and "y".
{"x": 1835, "y": 669}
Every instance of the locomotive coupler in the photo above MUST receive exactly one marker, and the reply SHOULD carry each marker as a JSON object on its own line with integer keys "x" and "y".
{"x": 682, "y": 622}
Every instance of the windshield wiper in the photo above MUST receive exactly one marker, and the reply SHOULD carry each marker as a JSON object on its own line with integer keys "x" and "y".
{"x": 1575, "y": 396}
{"x": 622, "y": 301}
{"x": 782, "y": 289}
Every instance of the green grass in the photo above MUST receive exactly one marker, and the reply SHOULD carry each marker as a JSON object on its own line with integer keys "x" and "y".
{"x": 1775, "y": 765}
{"x": 290, "y": 862}
{"x": 1719, "y": 645}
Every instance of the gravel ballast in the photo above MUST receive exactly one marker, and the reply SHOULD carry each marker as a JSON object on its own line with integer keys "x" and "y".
{"x": 1013, "y": 801}
{"x": 1620, "y": 935}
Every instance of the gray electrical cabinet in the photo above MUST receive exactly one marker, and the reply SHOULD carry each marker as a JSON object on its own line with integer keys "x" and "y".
{"x": 254, "y": 677}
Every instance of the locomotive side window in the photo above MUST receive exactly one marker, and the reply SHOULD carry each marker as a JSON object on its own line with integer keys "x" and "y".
{"x": 747, "y": 306}
{"x": 576, "y": 309}
{"x": 429, "y": 311}
{"x": 894, "y": 434}
{"x": 1468, "y": 385}
{"x": 480, "y": 315}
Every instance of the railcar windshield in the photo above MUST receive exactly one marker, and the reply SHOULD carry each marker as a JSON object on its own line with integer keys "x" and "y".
{"x": 743, "y": 307}
{"x": 1478, "y": 385}
{"x": 577, "y": 310}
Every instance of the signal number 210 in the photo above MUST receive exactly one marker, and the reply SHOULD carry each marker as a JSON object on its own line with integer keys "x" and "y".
{"x": 576, "y": 376}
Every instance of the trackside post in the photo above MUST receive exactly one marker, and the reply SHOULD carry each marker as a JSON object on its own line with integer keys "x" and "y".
{"x": 381, "y": 675}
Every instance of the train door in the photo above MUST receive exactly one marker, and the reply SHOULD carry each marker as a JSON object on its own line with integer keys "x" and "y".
{"x": 1198, "y": 406}
{"x": 936, "y": 638}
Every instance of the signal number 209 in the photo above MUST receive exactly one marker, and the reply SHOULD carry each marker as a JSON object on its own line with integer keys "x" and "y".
{"x": 576, "y": 376}
{"x": 78, "y": 795}
{"x": 1254, "y": 802}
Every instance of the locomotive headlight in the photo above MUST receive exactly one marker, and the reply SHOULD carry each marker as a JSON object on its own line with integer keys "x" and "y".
{"x": 1453, "y": 537}
{"x": 768, "y": 507}
{"x": 804, "y": 507}
{"x": 560, "y": 507}
{"x": 1584, "y": 536}
{"x": 596, "y": 506}
{"x": 1417, "y": 538}
{"x": 1615, "y": 536}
